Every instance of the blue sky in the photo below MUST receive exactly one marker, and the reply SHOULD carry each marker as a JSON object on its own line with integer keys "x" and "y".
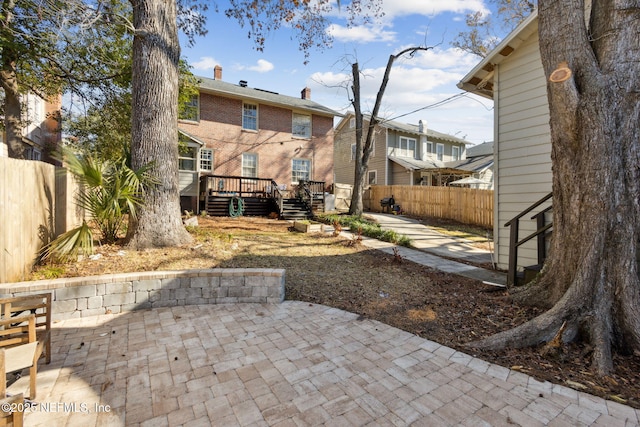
{"x": 426, "y": 79}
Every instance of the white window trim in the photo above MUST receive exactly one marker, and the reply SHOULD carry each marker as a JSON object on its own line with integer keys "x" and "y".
{"x": 404, "y": 151}
{"x": 440, "y": 155}
{"x": 195, "y": 159}
{"x": 453, "y": 150}
{"x": 295, "y": 135}
{"x": 352, "y": 122}
{"x": 294, "y": 181}
{"x": 254, "y": 155}
{"x": 429, "y": 148}
{"x": 375, "y": 173}
{"x": 257, "y": 117}
{"x": 201, "y": 159}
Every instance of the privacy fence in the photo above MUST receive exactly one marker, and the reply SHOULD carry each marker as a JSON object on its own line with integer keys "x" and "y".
{"x": 36, "y": 204}
{"x": 466, "y": 205}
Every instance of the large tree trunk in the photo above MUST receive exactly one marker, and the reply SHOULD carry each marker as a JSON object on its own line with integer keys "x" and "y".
{"x": 9, "y": 82}
{"x": 590, "y": 279}
{"x": 154, "y": 129}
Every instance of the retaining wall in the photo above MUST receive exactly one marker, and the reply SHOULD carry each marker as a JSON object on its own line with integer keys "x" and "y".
{"x": 115, "y": 293}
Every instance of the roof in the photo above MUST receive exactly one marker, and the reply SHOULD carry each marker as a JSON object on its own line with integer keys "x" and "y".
{"x": 480, "y": 79}
{"x": 191, "y": 137}
{"x": 208, "y": 85}
{"x": 414, "y": 164}
{"x": 472, "y": 164}
{"x": 412, "y": 129}
{"x": 484, "y": 149}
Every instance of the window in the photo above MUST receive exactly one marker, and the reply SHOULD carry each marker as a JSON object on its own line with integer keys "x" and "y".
{"x": 372, "y": 177}
{"x": 373, "y": 144}
{"x": 455, "y": 153}
{"x": 301, "y": 125}
{"x": 429, "y": 148}
{"x": 190, "y": 110}
{"x": 249, "y": 116}
{"x": 187, "y": 159}
{"x": 439, "y": 151}
{"x": 32, "y": 153}
{"x": 407, "y": 147}
{"x": 250, "y": 165}
{"x": 353, "y": 152}
{"x": 352, "y": 122}
{"x": 38, "y": 111}
{"x": 300, "y": 170}
{"x": 206, "y": 160}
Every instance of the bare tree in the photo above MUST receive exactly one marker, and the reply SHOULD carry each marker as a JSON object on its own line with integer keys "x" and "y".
{"x": 364, "y": 148}
{"x": 590, "y": 281}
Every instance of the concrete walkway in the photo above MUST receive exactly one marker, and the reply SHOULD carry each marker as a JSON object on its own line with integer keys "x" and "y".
{"x": 429, "y": 248}
{"x": 290, "y": 364}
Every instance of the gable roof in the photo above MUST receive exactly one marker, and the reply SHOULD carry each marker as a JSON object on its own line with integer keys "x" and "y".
{"x": 408, "y": 128}
{"x": 484, "y": 149}
{"x": 231, "y": 90}
{"x": 480, "y": 79}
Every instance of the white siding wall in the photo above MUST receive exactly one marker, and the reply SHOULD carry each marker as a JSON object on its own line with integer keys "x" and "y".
{"x": 523, "y": 145}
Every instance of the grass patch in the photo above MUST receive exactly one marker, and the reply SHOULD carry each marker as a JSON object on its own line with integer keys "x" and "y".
{"x": 359, "y": 225}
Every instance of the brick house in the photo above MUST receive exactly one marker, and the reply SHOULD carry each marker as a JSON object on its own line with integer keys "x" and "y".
{"x": 237, "y": 131}
{"x": 41, "y": 133}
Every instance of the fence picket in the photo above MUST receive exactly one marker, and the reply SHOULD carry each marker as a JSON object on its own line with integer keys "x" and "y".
{"x": 466, "y": 205}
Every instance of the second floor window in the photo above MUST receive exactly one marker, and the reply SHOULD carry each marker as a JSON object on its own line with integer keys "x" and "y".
{"x": 455, "y": 153}
{"x": 250, "y": 165}
{"x": 407, "y": 147}
{"x": 440, "y": 151}
{"x": 250, "y": 116}
{"x": 301, "y": 125}
{"x": 190, "y": 110}
{"x": 353, "y": 152}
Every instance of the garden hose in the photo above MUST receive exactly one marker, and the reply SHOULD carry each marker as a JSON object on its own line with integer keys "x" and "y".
{"x": 233, "y": 211}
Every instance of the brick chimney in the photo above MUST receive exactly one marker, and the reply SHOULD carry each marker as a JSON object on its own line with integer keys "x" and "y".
{"x": 306, "y": 93}
{"x": 217, "y": 72}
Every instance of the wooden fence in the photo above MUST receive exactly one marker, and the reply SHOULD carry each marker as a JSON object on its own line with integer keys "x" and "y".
{"x": 466, "y": 205}
{"x": 36, "y": 204}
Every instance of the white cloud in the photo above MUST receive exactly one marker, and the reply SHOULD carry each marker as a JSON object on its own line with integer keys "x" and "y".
{"x": 397, "y": 8}
{"x": 205, "y": 63}
{"x": 360, "y": 34}
{"x": 262, "y": 66}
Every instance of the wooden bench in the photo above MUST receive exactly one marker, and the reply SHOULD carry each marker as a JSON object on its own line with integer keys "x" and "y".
{"x": 25, "y": 334}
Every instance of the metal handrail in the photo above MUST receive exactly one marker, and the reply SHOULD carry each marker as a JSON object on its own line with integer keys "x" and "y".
{"x": 514, "y": 242}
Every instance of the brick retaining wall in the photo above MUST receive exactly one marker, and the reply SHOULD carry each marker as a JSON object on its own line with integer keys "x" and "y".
{"x": 115, "y": 293}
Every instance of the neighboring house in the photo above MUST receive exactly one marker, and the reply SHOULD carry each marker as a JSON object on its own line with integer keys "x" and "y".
{"x": 479, "y": 162}
{"x": 238, "y": 131}
{"x": 513, "y": 77}
{"x": 403, "y": 154}
{"x": 41, "y": 133}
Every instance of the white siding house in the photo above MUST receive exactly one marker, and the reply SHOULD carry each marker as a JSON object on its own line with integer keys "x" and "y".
{"x": 513, "y": 77}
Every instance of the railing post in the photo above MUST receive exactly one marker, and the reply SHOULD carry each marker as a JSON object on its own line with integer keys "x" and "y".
{"x": 542, "y": 239}
{"x": 513, "y": 253}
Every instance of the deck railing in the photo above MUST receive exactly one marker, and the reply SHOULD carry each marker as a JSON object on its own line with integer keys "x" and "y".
{"x": 312, "y": 193}
{"x": 515, "y": 242}
{"x": 237, "y": 186}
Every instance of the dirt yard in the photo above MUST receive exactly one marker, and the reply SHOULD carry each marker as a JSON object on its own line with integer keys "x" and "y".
{"x": 338, "y": 272}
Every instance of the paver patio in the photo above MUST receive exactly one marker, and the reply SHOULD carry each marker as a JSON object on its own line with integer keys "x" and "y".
{"x": 284, "y": 365}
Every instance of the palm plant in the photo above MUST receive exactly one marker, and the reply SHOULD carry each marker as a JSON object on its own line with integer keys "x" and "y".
{"x": 110, "y": 191}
